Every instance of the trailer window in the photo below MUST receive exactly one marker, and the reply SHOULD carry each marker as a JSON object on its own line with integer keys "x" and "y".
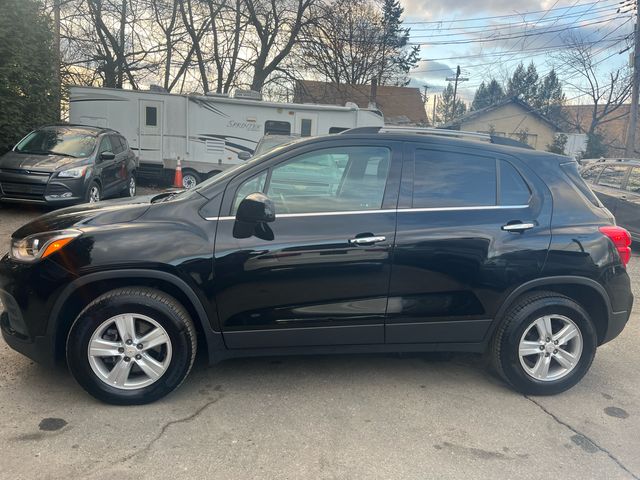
{"x": 305, "y": 127}
{"x": 275, "y": 127}
{"x": 151, "y": 116}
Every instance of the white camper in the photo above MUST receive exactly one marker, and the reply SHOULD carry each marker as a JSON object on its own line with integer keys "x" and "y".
{"x": 205, "y": 132}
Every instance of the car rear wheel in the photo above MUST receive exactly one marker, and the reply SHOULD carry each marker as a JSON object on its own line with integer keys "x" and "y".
{"x": 94, "y": 193}
{"x": 131, "y": 346}
{"x": 545, "y": 344}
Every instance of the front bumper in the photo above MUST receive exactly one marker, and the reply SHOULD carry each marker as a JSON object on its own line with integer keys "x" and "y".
{"x": 28, "y": 293}
{"x": 40, "y": 188}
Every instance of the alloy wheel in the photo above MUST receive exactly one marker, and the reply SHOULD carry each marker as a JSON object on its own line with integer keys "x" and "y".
{"x": 132, "y": 187}
{"x": 129, "y": 351}
{"x": 189, "y": 181}
{"x": 550, "y": 348}
{"x": 94, "y": 194}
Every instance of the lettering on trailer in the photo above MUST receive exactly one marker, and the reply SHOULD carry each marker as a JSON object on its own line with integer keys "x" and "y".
{"x": 250, "y": 126}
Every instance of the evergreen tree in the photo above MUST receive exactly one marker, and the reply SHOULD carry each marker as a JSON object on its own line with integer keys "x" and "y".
{"x": 595, "y": 146}
{"x": 558, "y": 145}
{"x": 397, "y": 56}
{"x": 27, "y": 62}
{"x": 524, "y": 83}
{"x": 550, "y": 97}
{"x": 487, "y": 95}
{"x": 446, "y": 110}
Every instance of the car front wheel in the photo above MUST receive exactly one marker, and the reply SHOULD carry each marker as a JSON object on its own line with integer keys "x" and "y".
{"x": 545, "y": 344}
{"x": 131, "y": 346}
{"x": 94, "y": 194}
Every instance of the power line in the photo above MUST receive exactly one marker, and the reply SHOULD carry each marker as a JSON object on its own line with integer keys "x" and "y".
{"x": 475, "y": 19}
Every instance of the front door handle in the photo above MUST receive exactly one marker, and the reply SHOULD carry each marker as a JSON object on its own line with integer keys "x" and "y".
{"x": 518, "y": 227}
{"x": 366, "y": 240}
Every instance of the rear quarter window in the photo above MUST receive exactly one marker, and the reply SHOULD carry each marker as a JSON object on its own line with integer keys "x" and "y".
{"x": 571, "y": 171}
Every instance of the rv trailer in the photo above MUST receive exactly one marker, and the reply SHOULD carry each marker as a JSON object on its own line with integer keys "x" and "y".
{"x": 205, "y": 132}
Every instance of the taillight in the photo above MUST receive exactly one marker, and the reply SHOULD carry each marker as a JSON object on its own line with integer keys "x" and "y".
{"x": 621, "y": 239}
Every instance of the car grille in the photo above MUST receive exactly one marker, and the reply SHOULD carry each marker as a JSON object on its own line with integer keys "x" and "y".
{"x": 23, "y": 190}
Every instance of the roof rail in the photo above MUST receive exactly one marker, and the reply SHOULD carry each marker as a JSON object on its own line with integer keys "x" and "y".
{"x": 441, "y": 132}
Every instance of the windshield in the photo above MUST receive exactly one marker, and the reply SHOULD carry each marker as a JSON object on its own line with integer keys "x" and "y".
{"x": 68, "y": 142}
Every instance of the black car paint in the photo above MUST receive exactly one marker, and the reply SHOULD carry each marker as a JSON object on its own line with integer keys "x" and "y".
{"x": 34, "y": 178}
{"x": 441, "y": 280}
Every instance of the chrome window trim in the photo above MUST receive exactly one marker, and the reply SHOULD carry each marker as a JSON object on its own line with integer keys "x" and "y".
{"x": 388, "y": 210}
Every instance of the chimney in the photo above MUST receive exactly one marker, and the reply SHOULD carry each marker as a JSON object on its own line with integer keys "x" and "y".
{"x": 373, "y": 94}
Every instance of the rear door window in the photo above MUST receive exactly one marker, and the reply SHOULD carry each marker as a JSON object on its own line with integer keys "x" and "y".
{"x": 451, "y": 179}
{"x": 613, "y": 176}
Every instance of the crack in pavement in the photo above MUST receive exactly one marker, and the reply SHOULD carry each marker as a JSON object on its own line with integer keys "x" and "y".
{"x": 577, "y": 432}
{"x": 164, "y": 428}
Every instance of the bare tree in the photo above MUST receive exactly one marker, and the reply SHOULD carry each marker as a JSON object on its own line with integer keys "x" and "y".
{"x": 276, "y": 25}
{"x": 354, "y": 41}
{"x": 606, "y": 93}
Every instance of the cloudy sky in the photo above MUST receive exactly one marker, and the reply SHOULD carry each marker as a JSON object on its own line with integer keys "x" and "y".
{"x": 489, "y": 38}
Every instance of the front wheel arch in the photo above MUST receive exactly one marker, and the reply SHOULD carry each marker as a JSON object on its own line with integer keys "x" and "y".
{"x": 79, "y": 293}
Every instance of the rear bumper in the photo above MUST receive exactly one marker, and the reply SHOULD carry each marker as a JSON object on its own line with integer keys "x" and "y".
{"x": 617, "y": 322}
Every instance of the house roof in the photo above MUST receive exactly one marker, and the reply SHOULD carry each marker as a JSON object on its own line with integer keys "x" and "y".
{"x": 400, "y": 105}
{"x": 507, "y": 101}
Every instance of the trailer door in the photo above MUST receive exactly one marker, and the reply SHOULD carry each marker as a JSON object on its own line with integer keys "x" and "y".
{"x": 150, "y": 142}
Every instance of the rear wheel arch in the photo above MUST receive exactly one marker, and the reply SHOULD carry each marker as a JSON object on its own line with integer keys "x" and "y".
{"x": 586, "y": 292}
{"x": 84, "y": 290}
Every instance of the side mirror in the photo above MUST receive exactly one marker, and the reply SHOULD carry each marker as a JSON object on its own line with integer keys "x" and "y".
{"x": 107, "y": 156}
{"x": 254, "y": 212}
{"x": 244, "y": 155}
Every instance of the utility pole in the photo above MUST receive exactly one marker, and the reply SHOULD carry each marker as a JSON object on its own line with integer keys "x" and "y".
{"x": 425, "y": 99}
{"x": 433, "y": 115}
{"x": 57, "y": 57}
{"x": 457, "y": 79}
{"x": 630, "y": 147}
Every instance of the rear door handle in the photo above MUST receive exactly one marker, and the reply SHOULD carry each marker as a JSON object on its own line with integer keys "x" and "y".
{"x": 366, "y": 240}
{"x": 518, "y": 227}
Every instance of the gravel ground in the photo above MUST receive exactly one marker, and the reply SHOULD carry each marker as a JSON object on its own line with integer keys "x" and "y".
{"x": 340, "y": 417}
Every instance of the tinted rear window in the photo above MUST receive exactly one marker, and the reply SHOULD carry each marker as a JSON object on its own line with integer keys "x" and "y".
{"x": 449, "y": 179}
{"x": 571, "y": 170}
{"x": 513, "y": 188}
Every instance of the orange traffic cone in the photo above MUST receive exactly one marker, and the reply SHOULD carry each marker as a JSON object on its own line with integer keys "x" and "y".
{"x": 177, "y": 179}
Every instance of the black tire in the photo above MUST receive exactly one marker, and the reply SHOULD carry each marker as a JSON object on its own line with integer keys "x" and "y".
{"x": 163, "y": 309}
{"x": 89, "y": 194}
{"x": 518, "y": 319}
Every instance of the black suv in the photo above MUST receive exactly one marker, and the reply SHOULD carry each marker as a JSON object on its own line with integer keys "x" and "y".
{"x": 617, "y": 185}
{"x": 367, "y": 241}
{"x": 68, "y": 164}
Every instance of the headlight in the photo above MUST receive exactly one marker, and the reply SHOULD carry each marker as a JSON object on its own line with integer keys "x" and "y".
{"x": 41, "y": 245}
{"x": 76, "y": 172}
